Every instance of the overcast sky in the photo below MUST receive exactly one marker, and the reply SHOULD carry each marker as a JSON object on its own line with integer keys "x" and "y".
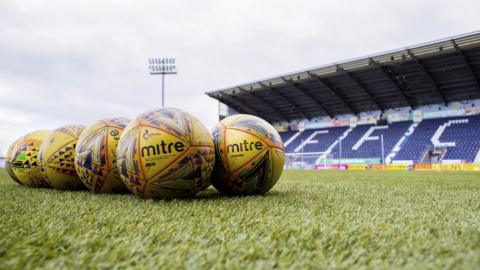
{"x": 65, "y": 62}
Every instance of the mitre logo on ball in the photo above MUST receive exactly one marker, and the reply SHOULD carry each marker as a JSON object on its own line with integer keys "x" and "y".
{"x": 163, "y": 148}
{"x": 245, "y": 146}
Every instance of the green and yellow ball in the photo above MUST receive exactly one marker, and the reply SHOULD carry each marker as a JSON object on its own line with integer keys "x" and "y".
{"x": 25, "y": 164}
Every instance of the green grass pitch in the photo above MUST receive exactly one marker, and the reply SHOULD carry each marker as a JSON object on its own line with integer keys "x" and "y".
{"x": 311, "y": 219}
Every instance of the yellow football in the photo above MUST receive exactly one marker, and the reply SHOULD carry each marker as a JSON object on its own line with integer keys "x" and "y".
{"x": 25, "y": 159}
{"x": 56, "y": 158}
{"x": 8, "y": 160}
{"x": 95, "y": 156}
{"x": 165, "y": 153}
{"x": 249, "y": 155}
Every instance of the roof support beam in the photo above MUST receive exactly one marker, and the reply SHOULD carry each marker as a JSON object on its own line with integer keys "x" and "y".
{"x": 364, "y": 89}
{"x": 305, "y": 93}
{"x": 242, "y": 107}
{"x": 334, "y": 91}
{"x": 467, "y": 64}
{"x": 230, "y": 104}
{"x": 428, "y": 76}
{"x": 285, "y": 99}
{"x": 265, "y": 103}
{"x": 387, "y": 74}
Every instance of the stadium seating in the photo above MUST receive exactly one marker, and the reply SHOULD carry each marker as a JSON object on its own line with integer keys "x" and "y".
{"x": 316, "y": 140}
{"x": 365, "y": 141}
{"x": 459, "y": 135}
{"x": 287, "y": 135}
{"x": 403, "y": 141}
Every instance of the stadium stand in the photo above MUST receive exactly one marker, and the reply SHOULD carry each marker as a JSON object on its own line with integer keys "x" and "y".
{"x": 422, "y": 101}
{"x": 457, "y": 136}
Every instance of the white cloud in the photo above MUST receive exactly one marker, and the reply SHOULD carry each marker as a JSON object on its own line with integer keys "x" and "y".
{"x": 78, "y": 61}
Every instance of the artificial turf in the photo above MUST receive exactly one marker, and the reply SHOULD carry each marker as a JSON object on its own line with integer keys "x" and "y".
{"x": 311, "y": 219}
